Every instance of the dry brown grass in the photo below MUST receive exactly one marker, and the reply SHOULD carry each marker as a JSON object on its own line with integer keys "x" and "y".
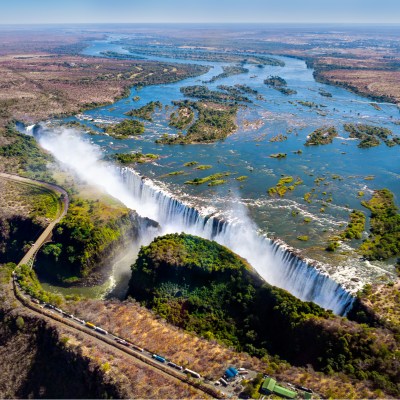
{"x": 95, "y": 365}
{"x": 42, "y": 85}
{"x": 139, "y": 325}
{"x": 34, "y": 88}
{"x": 19, "y": 199}
{"x": 372, "y": 83}
{"x": 384, "y": 301}
{"x": 133, "y": 380}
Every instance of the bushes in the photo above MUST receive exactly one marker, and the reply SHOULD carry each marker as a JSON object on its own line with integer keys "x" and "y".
{"x": 20, "y": 323}
{"x": 321, "y": 136}
{"x": 356, "y": 226}
{"x": 31, "y": 285}
{"x": 145, "y": 112}
{"x": 182, "y": 118}
{"x": 24, "y": 151}
{"x": 203, "y": 287}
{"x": 130, "y": 158}
{"x": 125, "y": 128}
{"x": 384, "y": 240}
{"x": 369, "y": 135}
{"x": 81, "y": 240}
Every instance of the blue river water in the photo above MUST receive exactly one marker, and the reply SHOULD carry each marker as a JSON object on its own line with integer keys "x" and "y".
{"x": 343, "y": 168}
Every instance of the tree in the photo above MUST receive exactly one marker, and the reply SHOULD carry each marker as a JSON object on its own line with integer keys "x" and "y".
{"x": 20, "y": 323}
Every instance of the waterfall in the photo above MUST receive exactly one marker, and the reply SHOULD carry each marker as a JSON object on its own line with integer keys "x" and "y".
{"x": 277, "y": 263}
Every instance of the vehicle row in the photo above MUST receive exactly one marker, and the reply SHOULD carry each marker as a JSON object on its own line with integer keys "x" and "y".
{"x": 176, "y": 366}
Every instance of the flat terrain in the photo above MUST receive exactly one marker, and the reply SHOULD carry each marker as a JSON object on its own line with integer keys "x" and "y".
{"x": 377, "y": 84}
{"x": 27, "y": 200}
{"x": 37, "y": 86}
{"x": 365, "y": 59}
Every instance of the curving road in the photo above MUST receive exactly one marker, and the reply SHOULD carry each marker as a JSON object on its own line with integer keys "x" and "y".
{"x": 144, "y": 358}
{"x": 64, "y": 202}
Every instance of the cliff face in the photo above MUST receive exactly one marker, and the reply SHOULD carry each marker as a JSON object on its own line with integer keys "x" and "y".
{"x": 203, "y": 287}
{"x": 84, "y": 245}
{"x": 37, "y": 363}
{"x": 43, "y": 358}
{"x": 15, "y": 232}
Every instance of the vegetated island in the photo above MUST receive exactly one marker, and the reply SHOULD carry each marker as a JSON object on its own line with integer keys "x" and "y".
{"x": 353, "y": 230}
{"x": 279, "y": 84}
{"x": 278, "y": 138}
{"x": 195, "y": 55}
{"x": 369, "y": 135}
{"x": 324, "y": 93}
{"x": 216, "y": 114}
{"x": 131, "y": 158}
{"x": 201, "y": 286}
{"x": 243, "y": 88}
{"x": 284, "y": 184}
{"x": 384, "y": 240}
{"x": 182, "y": 117}
{"x": 213, "y": 180}
{"x": 321, "y": 136}
{"x": 228, "y": 70}
{"x": 237, "y": 91}
{"x": 309, "y": 104}
{"x": 146, "y": 112}
{"x": 202, "y": 92}
{"x": 278, "y": 155}
{"x": 214, "y": 122}
{"x": 124, "y": 129}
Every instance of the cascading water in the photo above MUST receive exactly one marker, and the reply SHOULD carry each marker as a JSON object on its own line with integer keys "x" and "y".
{"x": 276, "y": 263}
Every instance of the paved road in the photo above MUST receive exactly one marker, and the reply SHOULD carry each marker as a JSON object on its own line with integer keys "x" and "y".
{"x": 143, "y": 357}
{"x": 108, "y": 340}
{"x": 64, "y": 202}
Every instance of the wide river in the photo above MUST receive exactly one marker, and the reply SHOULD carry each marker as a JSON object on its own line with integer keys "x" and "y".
{"x": 343, "y": 168}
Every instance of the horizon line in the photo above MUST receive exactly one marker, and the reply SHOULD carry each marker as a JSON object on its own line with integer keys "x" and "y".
{"x": 202, "y": 23}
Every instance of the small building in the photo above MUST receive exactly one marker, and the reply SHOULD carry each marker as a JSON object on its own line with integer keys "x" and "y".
{"x": 270, "y": 387}
{"x": 231, "y": 373}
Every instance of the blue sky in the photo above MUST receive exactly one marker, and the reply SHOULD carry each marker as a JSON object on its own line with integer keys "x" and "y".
{"x": 103, "y": 11}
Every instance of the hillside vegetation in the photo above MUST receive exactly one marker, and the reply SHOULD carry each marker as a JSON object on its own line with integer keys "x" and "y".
{"x": 203, "y": 287}
{"x": 24, "y": 212}
{"x": 21, "y": 154}
{"x": 85, "y": 240}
